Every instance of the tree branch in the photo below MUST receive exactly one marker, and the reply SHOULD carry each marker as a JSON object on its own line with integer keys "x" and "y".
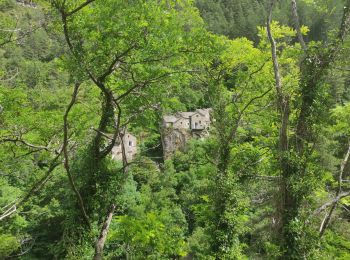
{"x": 274, "y": 54}
{"x": 79, "y": 8}
{"x": 138, "y": 84}
{"x": 107, "y": 106}
{"x": 37, "y": 186}
{"x": 297, "y": 25}
{"x": 115, "y": 63}
{"x": 116, "y": 132}
{"x": 329, "y": 203}
{"x": 339, "y": 194}
{"x": 19, "y": 139}
{"x": 22, "y": 35}
{"x": 66, "y": 157}
{"x": 283, "y": 110}
{"x": 240, "y": 114}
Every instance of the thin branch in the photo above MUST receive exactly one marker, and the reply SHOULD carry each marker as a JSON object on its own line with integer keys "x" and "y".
{"x": 240, "y": 114}
{"x": 328, "y": 216}
{"x": 254, "y": 99}
{"x": 115, "y": 63}
{"x": 139, "y": 111}
{"x": 43, "y": 180}
{"x": 23, "y": 142}
{"x": 108, "y": 95}
{"x": 329, "y": 203}
{"x": 9, "y": 205}
{"x": 343, "y": 69}
{"x": 151, "y": 60}
{"x": 143, "y": 84}
{"x": 23, "y": 35}
{"x": 12, "y": 33}
{"x": 250, "y": 77}
{"x": 107, "y": 136}
{"x": 25, "y": 251}
{"x": 66, "y": 157}
{"x": 11, "y": 77}
{"x": 36, "y": 187}
{"x": 71, "y": 47}
{"x": 79, "y": 8}
{"x": 297, "y": 25}
{"x": 344, "y": 207}
{"x": 8, "y": 212}
{"x": 274, "y": 55}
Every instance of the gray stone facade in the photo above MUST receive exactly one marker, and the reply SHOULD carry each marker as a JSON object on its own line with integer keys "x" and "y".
{"x": 197, "y": 120}
{"x": 128, "y": 145}
{"x": 180, "y": 127}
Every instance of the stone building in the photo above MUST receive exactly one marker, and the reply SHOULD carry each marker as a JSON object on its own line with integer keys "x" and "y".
{"x": 180, "y": 127}
{"x": 197, "y": 120}
{"x": 127, "y": 144}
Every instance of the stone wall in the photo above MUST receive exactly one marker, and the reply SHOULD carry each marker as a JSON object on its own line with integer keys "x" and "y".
{"x": 174, "y": 139}
{"x": 128, "y": 144}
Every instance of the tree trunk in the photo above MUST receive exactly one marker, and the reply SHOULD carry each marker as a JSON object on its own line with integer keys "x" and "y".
{"x": 100, "y": 243}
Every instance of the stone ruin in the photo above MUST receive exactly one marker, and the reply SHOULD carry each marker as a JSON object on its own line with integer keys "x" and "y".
{"x": 179, "y": 128}
{"x": 126, "y": 145}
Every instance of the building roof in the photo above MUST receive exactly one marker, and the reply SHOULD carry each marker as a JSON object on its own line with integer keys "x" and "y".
{"x": 204, "y": 112}
{"x": 170, "y": 119}
{"x": 126, "y": 136}
{"x": 129, "y": 136}
{"x": 187, "y": 115}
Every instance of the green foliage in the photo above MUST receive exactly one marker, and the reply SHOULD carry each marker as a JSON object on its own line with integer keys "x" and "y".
{"x": 341, "y": 116}
{"x": 335, "y": 246}
{"x": 219, "y": 197}
{"x": 151, "y": 236}
{"x": 8, "y": 244}
{"x": 240, "y": 18}
{"x": 233, "y": 18}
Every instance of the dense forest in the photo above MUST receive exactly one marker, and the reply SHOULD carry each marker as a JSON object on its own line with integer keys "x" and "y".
{"x": 264, "y": 175}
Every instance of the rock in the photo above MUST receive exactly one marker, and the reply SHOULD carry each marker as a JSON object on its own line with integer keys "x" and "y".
{"x": 174, "y": 139}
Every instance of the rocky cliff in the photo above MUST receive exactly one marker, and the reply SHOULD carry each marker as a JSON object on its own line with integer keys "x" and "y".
{"x": 174, "y": 139}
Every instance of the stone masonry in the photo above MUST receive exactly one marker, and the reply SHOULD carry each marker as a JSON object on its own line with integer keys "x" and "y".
{"x": 126, "y": 144}
{"x": 180, "y": 127}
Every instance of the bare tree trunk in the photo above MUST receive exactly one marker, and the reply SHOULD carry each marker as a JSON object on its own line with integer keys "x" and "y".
{"x": 283, "y": 108}
{"x": 297, "y": 25}
{"x": 100, "y": 243}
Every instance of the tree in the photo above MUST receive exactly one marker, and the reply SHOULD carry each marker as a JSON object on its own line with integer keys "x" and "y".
{"x": 296, "y": 154}
{"x": 127, "y": 54}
